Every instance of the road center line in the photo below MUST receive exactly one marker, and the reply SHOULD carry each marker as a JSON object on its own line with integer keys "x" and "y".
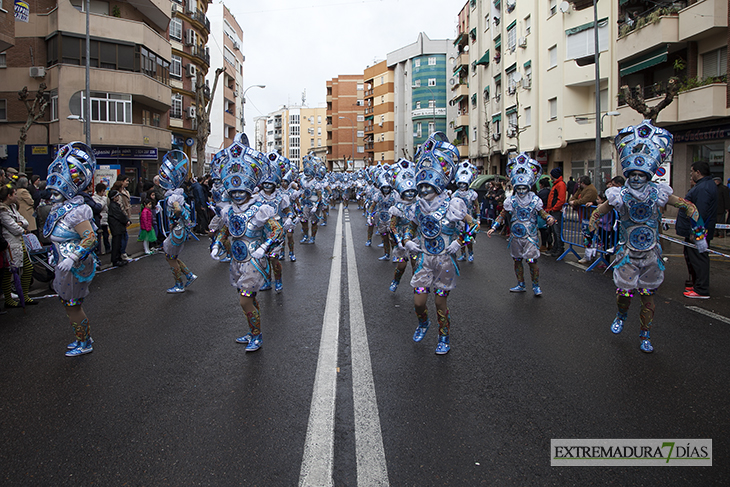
{"x": 369, "y": 452}
{"x": 318, "y": 455}
{"x": 712, "y": 315}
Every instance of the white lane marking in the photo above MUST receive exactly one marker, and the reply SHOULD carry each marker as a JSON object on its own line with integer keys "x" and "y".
{"x": 369, "y": 452}
{"x": 319, "y": 449}
{"x": 709, "y": 313}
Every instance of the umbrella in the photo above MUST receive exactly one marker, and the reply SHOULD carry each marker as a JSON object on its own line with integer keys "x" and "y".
{"x": 16, "y": 278}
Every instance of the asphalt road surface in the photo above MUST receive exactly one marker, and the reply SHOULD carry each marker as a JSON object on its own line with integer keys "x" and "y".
{"x": 339, "y": 394}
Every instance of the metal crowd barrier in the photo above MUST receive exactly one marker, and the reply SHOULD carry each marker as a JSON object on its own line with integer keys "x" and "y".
{"x": 673, "y": 221}
{"x": 574, "y": 232}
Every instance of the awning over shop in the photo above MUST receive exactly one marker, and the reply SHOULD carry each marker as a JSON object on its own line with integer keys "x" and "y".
{"x": 648, "y": 60}
{"x": 484, "y": 60}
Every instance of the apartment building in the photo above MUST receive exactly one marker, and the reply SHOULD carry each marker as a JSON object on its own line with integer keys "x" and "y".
{"x": 188, "y": 32}
{"x": 379, "y": 132}
{"x": 226, "y": 50}
{"x": 345, "y": 122}
{"x": 294, "y": 131}
{"x": 129, "y": 83}
{"x": 7, "y": 27}
{"x": 419, "y": 92}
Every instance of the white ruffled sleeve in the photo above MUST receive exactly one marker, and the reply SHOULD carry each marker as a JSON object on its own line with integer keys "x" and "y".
{"x": 665, "y": 191}
{"x": 395, "y": 211}
{"x": 265, "y": 212}
{"x": 457, "y": 210}
{"x": 507, "y": 205}
{"x": 613, "y": 195}
{"x": 538, "y": 203}
{"x": 79, "y": 214}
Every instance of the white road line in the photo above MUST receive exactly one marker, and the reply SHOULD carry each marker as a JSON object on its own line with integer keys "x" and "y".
{"x": 371, "y": 466}
{"x": 318, "y": 455}
{"x": 709, "y": 313}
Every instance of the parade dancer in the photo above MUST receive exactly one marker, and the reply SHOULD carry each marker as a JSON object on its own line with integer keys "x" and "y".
{"x": 436, "y": 218}
{"x": 310, "y": 198}
{"x": 71, "y": 229}
{"x": 465, "y": 174}
{"x": 289, "y": 188}
{"x": 253, "y": 230}
{"x": 379, "y": 207}
{"x": 369, "y": 195}
{"x": 401, "y": 215}
{"x": 220, "y": 198}
{"x": 523, "y": 207}
{"x": 638, "y": 265}
{"x": 173, "y": 171}
{"x": 272, "y": 196}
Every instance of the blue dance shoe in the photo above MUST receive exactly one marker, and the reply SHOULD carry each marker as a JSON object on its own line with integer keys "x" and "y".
{"x": 618, "y": 323}
{"x": 421, "y": 331}
{"x": 645, "y": 342}
{"x": 278, "y": 286}
{"x": 82, "y": 348}
{"x": 244, "y": 339}
{"x": 254, "y": 342}
{"x": 519, "y": 288}
{"x": 393, "y": 285}
{"x": 536, "y": 289}
{"x": 443, "y": 346}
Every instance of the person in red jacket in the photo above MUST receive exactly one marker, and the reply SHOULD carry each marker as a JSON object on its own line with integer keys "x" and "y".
{"x": 555, "y": 202}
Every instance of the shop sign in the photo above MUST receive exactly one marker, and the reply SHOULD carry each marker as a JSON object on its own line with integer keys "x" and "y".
{"x": 125, "y": 153}
{"x": 701, "y": 135}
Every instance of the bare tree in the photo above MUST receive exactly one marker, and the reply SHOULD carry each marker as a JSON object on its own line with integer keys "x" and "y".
{"x": 36, "y": 110}
{"x": 635, "y": 99}
{"x": 202, "y": 116}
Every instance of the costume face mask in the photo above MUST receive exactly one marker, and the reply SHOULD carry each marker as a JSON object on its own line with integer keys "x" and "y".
{"x": 239, "y": 196}
{"x": 521, "y": 190}
{"x": 269, "y": 187}
{"x": 57, "y": 197}
{"x": 463, "y": 186}
{"x": 386, "y": 190}
{"x": 426, "y": 191}
{"x": 637, "y": 179}
{"x": 409, "y": 195}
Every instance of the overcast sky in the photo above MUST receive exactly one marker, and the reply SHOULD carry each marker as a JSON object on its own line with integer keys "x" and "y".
{"x": 293, "y": 45}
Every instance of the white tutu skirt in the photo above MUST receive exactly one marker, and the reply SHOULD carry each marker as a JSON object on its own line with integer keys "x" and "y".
{"x": 249, "y": 276}
{"x": 435, "y": 272}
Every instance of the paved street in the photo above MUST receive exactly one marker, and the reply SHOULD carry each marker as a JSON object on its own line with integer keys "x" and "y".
{"x": 168, "y": 397}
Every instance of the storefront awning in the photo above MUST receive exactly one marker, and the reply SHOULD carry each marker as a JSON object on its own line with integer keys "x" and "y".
{"x": 642, "y": 62}
{"x": 484, "y": 60}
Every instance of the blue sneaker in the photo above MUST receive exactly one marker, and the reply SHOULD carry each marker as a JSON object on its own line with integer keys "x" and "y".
{"x": 254, "y": 343}
{"x": 645, "y": 342}
{"x": 311, "y": 239}
{"x": 380, "y": 245}
{"x": 266, "y": 286}
{"x": 82, "y": 348}
{"x": 368, "y": 243}
{"x": 281, "y": 257}
{"x": 536, "y": 289}
{"x": 244, "y": 339}
{"x": 76, "y": 343}
{"x": 292, "y": 257}
{"x": 421, "y": 331}
{"x": 384, "y": 257}
{"x": 471, "y": 257}
{"x": 443, "y": 346}
{"x": 191, "y": 279}
{"x": 393, "y": 285}
{"x": 618, "y": 323}
{"x": 519, "y": 288}
{"x": 323, "y": 224}
{"x": 278, "y": 286}
{"x": 461, "y": 258}
{"x": 304, "y": 240}
{"x": 177, "y": 288}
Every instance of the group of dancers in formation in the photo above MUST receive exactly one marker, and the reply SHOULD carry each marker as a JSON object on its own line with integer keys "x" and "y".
{"x": 260, "y": 198}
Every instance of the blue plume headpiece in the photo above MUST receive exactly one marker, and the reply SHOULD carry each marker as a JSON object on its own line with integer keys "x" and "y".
{"x": 465, "y": 172}
{"x": 244, "y": 168}
{"x": 72, "y": 170}
{"x": 174, "y": 169}
{"x": 643, "y": 147}
{"x": 277, "y": 166}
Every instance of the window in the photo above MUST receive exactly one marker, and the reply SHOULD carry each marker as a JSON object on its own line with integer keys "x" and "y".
{"x": 176, "y": 28}
{"x": 177, "y": 106}
{"x": 229, "y": 57}
{"x": 432, "y": 61}
{"x": 360, "y": 133}
{"x": 714, "y": 63}
{"x": 583, "y": 43}
{"x": 360, "y": 149}
{"x": 3, "y": 109}
{"x": 553, "y": 57}
{"x": 418, "y": 129}
{"x": 109, "y": 107}
{"x": 319, "y": 142}
{"x": 418, "y": 105}
{"x": 431, "y": 81}
{"x": 417, "y": 83}
{"x": 319, "y": 131}
{"x": 176, "y": 66}
{"x": 528, "y": 75}
{"x": 512, "y": 121}
{"x": 552, "y": 7}
{"x": 382, "y": 80}
{"x": 54, "y": 106}
{"x": 430, "y": 103}
{"x": 528, "y": 116}
{"x": 361, "y": 118}
{"x": 528, "y": 24}
{"x": 512, "y": 36}
{"x": 430, "y": 128}
{"x": 553, "y": 108}
{"x": 474, "y": 134}
{"x": 416, "y": 63}
{"x": 3, "y": 61}
{"x": 319, "y": 119}
{"x": 311, "y": 142}
{"x": 359, "y": 87}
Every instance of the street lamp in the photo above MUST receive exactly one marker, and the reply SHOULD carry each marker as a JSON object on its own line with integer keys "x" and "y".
{"x": 243, "y": 105}
{"x": 353, "y": 142}
{"x": 610, "y": 114}
{"x": 87, "y": 100}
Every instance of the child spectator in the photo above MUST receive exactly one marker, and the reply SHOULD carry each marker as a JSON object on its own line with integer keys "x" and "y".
{"x": 146, "y": 232}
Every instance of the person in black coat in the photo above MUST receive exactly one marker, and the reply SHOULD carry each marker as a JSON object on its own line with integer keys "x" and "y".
{"x": 118, "y": 223}
{"x": 704, "y": 196}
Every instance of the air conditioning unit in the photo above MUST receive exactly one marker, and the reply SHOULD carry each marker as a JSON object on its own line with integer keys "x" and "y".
{"x": 191, "y": 37}
{"x": 522, "y": 42}
{"x": 511, "y": 132}
{"x": 191, "y": 6}
{"x": 194, "y": 123}
{"x": 511, "y": 90}
{"x": 3, "y": 151}
{"x": 191, "y": 70}
{"x": 191, "y": 112}
{"x": 527, "y": 83}
{"x": 235, "y": 94}
{"x": 174, "y": 7}
{"x": 496, "y": 136}
{"x": 37, "y": 72}
{"x": 236, "y": 46}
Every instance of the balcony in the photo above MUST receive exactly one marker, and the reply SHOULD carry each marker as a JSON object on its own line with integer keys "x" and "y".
{"x": 200, "y": 18}
{"x": 574, "y": 75}
{"x": 702, "y": 103}
{"x": 128, "y": 135}
{"x": 462, "y": 60}
{"x": 649, "y": 32}
{"x": 462, "y": 121}
{"x": 702, "y": 19}
{"x": 461, "y": 91}
{"x": 201, "y": 53}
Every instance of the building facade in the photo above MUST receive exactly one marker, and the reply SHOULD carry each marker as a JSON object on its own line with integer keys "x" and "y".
{"x": 227, "y": 46}
{"x": 129, "y": 83}
{"x": 379, "y": 131}
{"x": 345, "y": 122}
